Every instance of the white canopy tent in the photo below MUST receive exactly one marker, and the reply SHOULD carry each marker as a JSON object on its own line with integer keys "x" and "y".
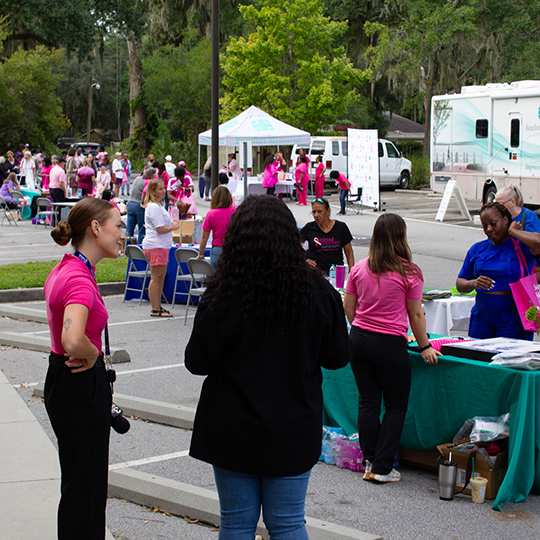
{"x": 257, "y": 128}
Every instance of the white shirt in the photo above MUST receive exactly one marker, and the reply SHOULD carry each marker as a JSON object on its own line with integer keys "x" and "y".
{"x": 117, "y": 168}
{"x": 156, "y": 216}
{"x": 236, "y": 174}
{"x": 169, "y": 167}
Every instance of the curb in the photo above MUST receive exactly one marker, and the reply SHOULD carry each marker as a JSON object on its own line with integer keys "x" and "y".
{"x": 147, "y": 409}
{"x": 202, "y": 504}
{"x": 43, "y": 344}
{"x": 36, "y": 293}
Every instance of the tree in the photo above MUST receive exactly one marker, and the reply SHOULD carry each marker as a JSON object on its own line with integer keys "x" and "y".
{"x": 29, "y": 111}
{"x": 426, "y": 51}
{"x": 291, "y": 65}
{"x": 177, "y": 83}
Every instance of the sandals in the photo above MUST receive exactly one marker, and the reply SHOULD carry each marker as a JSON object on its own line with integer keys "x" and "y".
{"x": 160, "y": 313}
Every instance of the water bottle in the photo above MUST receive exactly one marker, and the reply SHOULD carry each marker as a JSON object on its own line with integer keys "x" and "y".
{"x": 332, "y": 275}
{"x": 79, "y": 194}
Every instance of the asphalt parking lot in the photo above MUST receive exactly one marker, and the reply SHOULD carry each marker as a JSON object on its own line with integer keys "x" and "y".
{"x": 406, "y": 510}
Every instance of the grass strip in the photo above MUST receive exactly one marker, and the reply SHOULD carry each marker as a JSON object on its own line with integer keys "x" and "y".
{"x": 34, "y": 274}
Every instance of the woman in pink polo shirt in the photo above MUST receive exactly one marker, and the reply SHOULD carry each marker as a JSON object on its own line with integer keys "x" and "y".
{"x": 217, "y": 219}
{"x": 381, "y": 292}
{"x": 77, "y": 391}
{"x": 302, "y": 178}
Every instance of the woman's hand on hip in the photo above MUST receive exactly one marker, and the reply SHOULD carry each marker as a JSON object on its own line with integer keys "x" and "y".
{"x": 80, "y": 364}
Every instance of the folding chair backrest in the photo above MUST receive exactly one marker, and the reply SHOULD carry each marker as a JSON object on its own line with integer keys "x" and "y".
{"x": 199, "y": 268}
{"x": 136, "y": 253}
{"x": 17, "y": 195}
{"x": 43, "y": 202}
{"x": 184, "y": 254}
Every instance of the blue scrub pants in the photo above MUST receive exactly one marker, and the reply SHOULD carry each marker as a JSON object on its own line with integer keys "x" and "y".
{"x": 343, "y": 193}
{"x": 242, "y": 495}
{"x": 496, "y": 315}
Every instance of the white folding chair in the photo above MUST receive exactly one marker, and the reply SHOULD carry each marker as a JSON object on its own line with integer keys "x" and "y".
{"x": 199, "y": 270}
{"x": 6, "y": 213}
{"x": 135, "y": 253}
{"x": 183, "y": 255}
{"x": 42, "y": 204}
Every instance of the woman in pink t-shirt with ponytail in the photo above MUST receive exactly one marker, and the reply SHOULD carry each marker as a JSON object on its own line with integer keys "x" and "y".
{"x": 78, "y": 395}
{"x": 381, "y": 292}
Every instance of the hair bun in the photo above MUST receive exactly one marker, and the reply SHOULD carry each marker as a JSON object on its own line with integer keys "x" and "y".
{"x": 62, "y": 233}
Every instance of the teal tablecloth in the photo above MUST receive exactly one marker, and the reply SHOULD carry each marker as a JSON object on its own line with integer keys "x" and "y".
{"x": 444, "y": 396}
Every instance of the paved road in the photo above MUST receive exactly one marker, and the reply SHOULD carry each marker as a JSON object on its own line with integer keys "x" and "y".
{"x": 408, "y": 510}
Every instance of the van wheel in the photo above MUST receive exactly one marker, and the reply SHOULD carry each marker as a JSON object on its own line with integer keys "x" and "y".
{"x": 489, "y": 197}
{"x": 404, "y": 180}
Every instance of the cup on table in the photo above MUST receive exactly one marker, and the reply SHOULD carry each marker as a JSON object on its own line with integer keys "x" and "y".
{"x": 478, "y": 489}
{"x": 340, "y": 276}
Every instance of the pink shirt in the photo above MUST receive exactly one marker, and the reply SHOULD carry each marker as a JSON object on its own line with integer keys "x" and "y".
{"x": 382, "y": 308}
{"x": 319, "y": 172}
{"x": 56, "y": 176}
{"x": 216, "y": 221}
{"x": 70, "y": 282}
{"x": 45, "y": 177}
{"x": 342, "y": 181}
{"x": 299, "y": 173}
{"x": 270, "y": 178}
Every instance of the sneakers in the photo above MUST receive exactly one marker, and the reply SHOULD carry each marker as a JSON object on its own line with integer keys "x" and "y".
{"x": 367, "y": 474}
{"x": 341, "y": 214}
{"x": 392, "y": 476}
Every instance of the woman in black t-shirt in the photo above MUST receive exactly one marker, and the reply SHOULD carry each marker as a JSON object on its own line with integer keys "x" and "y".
{"x": 327, "y": 238}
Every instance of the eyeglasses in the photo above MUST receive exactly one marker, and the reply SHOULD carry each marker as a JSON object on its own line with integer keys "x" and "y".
{"x": 318, "y": 199}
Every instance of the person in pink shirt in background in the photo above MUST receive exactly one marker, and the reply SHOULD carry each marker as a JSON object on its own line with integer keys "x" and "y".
{"x": 270, "y": 177}
{"x": 302, "y": 152}
{"x": 319, "y": 178}
{"x": 217, "y": 219}
{"x": 45, "y": 170}
{"x": 344, "y": 187}
{"x": 302, "y": 178}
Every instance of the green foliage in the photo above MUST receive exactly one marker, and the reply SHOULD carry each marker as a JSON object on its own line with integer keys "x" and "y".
{"x": 178, "y": 84}
{"x": 291, "y": 65}
{"x": 34, "y": 274}
{"x": 419, "y": 171}
{"x": 29, "y": 110}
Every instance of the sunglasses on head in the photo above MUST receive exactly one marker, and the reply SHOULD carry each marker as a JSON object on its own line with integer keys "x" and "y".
{"x": 318, "y": 199}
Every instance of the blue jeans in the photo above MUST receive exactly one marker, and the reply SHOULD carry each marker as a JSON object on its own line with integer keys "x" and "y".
{"x": 126, "y": 190}
{"x": 215, "y": 254}
{"x": 242, "y": 495}
{"x": 343, "y": 193}
{"x": 135, "y": 216}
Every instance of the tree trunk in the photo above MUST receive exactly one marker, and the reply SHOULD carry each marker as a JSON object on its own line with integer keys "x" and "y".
{"x": 138, "y": 108}
{"x": 427, "y": 105}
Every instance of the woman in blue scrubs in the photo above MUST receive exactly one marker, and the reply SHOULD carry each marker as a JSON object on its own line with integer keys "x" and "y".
{"x": 489, "y": 268}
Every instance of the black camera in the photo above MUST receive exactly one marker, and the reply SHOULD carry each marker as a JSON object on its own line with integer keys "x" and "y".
{"x": 118, "y": 422}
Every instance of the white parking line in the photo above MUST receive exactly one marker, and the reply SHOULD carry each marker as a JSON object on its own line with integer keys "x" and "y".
{"x": 145, "y": 461}
{"x": 127, "y": 372}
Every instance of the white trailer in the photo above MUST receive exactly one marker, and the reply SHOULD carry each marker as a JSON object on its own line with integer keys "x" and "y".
{"x": 487, "y": 137}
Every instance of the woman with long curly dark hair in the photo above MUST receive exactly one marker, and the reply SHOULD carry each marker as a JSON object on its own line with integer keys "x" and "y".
{"x": 275, "y": 322}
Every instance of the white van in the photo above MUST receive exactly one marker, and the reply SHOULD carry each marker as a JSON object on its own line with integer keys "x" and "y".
{"x": 394, "y": 170}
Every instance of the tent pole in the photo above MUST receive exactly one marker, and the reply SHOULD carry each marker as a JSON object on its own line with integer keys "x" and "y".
{"x": 245, "y": 170}
{"x": 215, "y": 92}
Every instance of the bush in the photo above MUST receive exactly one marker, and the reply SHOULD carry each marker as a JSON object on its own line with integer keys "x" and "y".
{"x": 420, "y": 171}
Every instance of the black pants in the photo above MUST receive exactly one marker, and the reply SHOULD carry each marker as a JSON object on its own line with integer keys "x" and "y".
{"x": 79, "y": 408}
{"x": 381, "y": 369}
{"x": 270, "y": 190}
{"x": 58, "y": 195}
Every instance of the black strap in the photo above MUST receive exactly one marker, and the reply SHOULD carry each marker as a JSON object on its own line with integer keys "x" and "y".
{"x": 86, "y": 262}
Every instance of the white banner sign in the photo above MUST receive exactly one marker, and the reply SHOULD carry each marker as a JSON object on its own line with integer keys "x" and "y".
{"x": 364, "y": 165}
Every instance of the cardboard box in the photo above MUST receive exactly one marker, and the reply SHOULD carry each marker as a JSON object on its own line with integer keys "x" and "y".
{"x": 184, "y": 235}
{"x": 421, "y": 459}
{"x": 481, "y": 468}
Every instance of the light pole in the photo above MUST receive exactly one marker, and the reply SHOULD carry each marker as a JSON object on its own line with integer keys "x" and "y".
{"x": 89, "y": 119}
